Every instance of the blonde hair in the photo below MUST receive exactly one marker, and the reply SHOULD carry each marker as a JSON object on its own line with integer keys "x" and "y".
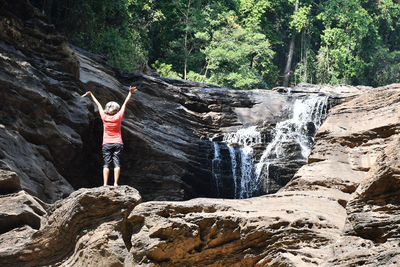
{"x": 111, "y": 108}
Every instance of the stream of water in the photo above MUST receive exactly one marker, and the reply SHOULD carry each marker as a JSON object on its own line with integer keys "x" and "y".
{"x": 307, "y": 116}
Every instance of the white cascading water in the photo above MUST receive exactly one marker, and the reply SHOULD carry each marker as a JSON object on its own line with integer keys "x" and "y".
{"x": 216, "y": 167}
{"x": 240, "y": 145}
{"x": 307, "y": 112}
{"x": 248, "y": 181}
{"x": 232, "y": 154}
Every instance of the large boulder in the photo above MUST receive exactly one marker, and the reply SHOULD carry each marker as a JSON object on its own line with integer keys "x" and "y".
{"x": 372, "y": 227}
{"x": 87, "y": 228}
{"x": 283, "y": 229}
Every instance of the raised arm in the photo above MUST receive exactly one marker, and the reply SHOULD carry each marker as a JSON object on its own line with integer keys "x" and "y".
{"x": 99, "y": 107}
{"x": 128, "y": 97}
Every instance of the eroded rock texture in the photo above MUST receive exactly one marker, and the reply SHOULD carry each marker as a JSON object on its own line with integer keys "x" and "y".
{"x": 40, "y": 119}
{"x": 51, "y": 137}
{"x": 87, "y": 228}
{"x": 341, "y": 209}
{"x": 287, "y": 227}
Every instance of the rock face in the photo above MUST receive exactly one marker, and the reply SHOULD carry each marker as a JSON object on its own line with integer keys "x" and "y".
{"x": 88, "y": 227}
{"x": 372, "y": 226}
{"x": 282, "y": 229}
{"x": 340, "y": 209}
{"x": 37, "y": 110}
{"x": 51, "y": 137}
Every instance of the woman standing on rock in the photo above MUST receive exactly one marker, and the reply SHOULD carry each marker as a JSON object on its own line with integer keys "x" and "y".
{"x": 112, "y": 140}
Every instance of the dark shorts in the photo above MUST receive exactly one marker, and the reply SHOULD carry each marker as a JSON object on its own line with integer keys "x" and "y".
{"x": 111, "y": 153}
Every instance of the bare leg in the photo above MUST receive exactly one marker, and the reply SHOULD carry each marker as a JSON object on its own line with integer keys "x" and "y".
{"x": 106, "y": 172}
{"x": 117, "y": 171}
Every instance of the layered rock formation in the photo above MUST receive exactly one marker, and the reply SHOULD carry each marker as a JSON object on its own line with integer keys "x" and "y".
{"x": 87, "y": 228}
{"x": 340, "y": 209}
{"x": 51, "y": 137}
{"x": 337, "y": 211}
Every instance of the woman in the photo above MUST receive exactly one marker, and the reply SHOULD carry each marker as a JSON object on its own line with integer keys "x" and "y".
{"x": 112, "y": 140}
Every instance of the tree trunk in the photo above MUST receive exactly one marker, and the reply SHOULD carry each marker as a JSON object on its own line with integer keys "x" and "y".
{"x": 186, "y": 57}
{"x": 186, "y": 49}
{"x": 286, "y": 74}
{"x": 305, "y": 56}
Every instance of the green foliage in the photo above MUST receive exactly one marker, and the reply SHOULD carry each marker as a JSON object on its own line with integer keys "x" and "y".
{"x": 165, "y": 70}
{"x": 193, "y": 76}
{"x": 306, "y": 69}
{"x": 105, "y": 27}
{"x": 386, "y": 67}
{"x": 240, "y": 44}
{"x": 238, "y": 57}
{"x": 347, "y": 25}
{"x": 300, "y": 18}
{"x": 119, "y": 50}
{"x": 252, "y": 12}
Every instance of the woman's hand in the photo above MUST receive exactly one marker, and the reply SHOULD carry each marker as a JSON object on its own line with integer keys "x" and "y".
{"x": 88, "y": 93}
{"x": 132, "y": 89}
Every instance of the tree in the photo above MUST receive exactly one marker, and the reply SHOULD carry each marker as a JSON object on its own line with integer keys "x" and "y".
{"x": 384, "y": 67}
{"x": 346, "y": 27}
{"x": 116, "y": 29}
{"x": 174, "y": 41}
{"x": 189, "y": 23}
{"x": 286, "y": 72}
{"x": 238, "y": 57}
{"x": 240, "y": 43}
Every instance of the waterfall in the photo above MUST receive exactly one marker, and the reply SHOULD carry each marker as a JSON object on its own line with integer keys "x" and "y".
{"x": 308, "y": 115}
{"x": 240, "y": 146}
{"x": 244, "y": 137}
{"x": 249, "y": 178}
{"x": 216, "y": 167}
{"x": 241, "y": 142}
{"x": 232, "y": 153}
{"x": 248, "y": 181}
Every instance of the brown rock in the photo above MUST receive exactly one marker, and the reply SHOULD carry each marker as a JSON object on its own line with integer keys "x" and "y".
{"x": 374, "y": 210}
{"x": 356, "y": 151}
{"x": 341, "y": 209}
{"x": 349, "y": 141}
{"x": 100, "y": 245}
{"x": 356, "y": 251}
{"x": 20, "y": 209}
{"x": 356, "y": 131}
{"x": 9, "y": 180}
{"x": 305, "y": 223}
{"x": 88, "y": 220}
{"x": 297, "y": 227}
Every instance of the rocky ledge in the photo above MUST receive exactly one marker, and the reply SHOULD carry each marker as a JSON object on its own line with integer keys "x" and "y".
{"x": 51, "y": 137}
{"x": 87, "y": 228}
{"x": 339, "y": 209}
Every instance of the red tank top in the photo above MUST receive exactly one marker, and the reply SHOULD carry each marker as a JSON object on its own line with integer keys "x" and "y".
{"x": 112, "y": 128}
